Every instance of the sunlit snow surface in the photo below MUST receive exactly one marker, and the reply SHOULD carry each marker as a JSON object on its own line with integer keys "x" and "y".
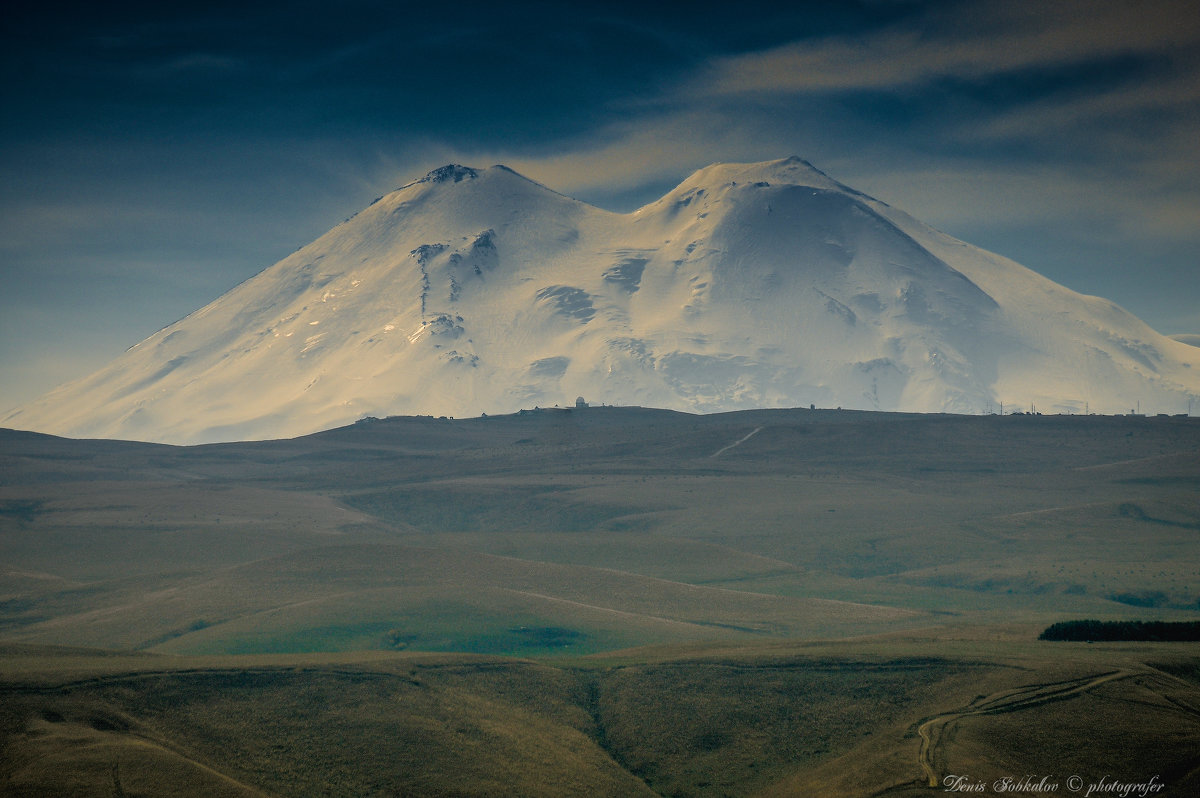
{"x": 750, "y": 285}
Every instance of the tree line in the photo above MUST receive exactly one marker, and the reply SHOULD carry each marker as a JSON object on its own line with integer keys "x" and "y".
{"x": 1162, "y": 631}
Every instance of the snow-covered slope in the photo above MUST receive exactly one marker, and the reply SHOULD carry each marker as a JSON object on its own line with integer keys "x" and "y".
{"x": 749, "y": 285}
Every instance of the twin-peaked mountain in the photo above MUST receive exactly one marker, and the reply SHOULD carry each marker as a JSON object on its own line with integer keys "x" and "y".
{"x": 750, "y": 285}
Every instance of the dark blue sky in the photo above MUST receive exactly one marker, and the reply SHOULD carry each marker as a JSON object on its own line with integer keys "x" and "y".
{"x": 153, "y": 156}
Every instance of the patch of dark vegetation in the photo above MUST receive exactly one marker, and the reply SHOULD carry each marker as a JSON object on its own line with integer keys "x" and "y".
{"x": 1142, "y": 598}
{"x": 547, "y": 636}
{"x": 16, "y": 606}
{"x": 1153, "y": 631}
{"x": 1130, "y": 510}
{"x": 24, "y": 510}
{"x": 17, "y": 612}
{"x": 108, "y": 723}
{"x": 194, "y": 626}
{"x": 710, "y": 740}
{"x": 398, "y": 639}
{"x": 1188, "y": 669}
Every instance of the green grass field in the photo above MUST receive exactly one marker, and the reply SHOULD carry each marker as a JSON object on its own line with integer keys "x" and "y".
{"x": 610, "y": 601}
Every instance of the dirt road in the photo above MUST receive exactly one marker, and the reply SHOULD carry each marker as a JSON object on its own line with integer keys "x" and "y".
{"x": 933, "y": 730}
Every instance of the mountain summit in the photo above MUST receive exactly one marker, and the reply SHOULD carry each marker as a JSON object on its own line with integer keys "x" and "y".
{"x": 749, "y": 285}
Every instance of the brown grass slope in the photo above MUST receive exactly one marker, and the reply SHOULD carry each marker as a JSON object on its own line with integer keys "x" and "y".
{"x": 832, "y": 719}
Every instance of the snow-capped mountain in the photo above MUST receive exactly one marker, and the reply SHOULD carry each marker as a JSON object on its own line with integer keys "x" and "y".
{"x": 750, "y": 285}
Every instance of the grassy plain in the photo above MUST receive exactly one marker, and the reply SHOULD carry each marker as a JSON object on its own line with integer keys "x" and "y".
{"x": 609, "y": 601}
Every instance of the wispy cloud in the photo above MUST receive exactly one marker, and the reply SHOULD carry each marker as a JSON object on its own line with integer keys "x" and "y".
{"x": 970, "y": 41}
{"x": 970, "y": 195}
{"x": 625, "y": 156}
{"x": 1112, "y": 150}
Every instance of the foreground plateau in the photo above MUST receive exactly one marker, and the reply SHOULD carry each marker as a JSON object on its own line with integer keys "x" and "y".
{"x": 601, "y": 601}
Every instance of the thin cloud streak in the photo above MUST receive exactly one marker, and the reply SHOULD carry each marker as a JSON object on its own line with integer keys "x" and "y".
{"x": 965, "y": 195}
{"x": 951, "y": 194}
{"x": 627, "y": 157}
{"x": 1103, "y": 111}
{"x": 974, "y": 41}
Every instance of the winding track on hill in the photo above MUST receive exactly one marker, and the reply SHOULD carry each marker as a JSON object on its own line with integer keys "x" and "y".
{"x": 738, "y": 442}
{"x": 933, "y": 730}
